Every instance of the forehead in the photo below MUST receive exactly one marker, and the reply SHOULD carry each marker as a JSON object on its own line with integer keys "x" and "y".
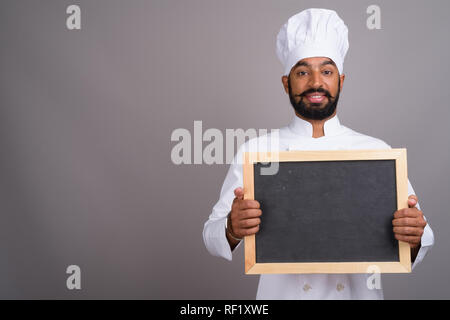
{"x": 315, "y": 62}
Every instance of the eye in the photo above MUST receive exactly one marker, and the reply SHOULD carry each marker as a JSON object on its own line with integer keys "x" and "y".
{"x": 301, "y": 73}
{"x": 328, "y": 72}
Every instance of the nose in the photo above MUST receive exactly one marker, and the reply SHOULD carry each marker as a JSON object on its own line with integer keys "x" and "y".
{"x": 315, "y": 80}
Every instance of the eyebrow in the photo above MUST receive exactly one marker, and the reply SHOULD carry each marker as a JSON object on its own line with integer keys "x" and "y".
{"x": 306, "y": 64}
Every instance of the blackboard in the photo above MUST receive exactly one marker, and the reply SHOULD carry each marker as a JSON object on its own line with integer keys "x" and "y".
{"x": 328, "y": 211}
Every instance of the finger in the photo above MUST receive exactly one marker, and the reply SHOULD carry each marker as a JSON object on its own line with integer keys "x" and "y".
{"x": 249, "y": 231}
{"x": 409, "y": 222}
{"x": 410, "y": 239}
{"x": 412, "y": 201}
{"x": 249, "y": 214}
{"x": 249, "y": 223}
{"x": 408, "y": 212}
{"x": 239, "y": 193}
{"x": 408, "y": 231}
{"x": 248, "y": 204}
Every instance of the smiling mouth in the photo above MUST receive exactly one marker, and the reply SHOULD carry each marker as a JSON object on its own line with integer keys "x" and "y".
{"x": 316, "y": 98}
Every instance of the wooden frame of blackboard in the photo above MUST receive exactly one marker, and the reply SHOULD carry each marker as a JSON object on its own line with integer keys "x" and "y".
{"x": 399, "y": 155}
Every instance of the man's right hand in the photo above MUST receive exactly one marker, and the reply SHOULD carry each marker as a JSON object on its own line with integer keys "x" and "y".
{"x": 244, "y": 217}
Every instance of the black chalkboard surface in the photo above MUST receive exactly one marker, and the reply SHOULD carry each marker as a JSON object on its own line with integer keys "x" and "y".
{"x": 328, "y": 211}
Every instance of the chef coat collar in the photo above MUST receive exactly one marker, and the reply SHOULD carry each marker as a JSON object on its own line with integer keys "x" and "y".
{"x": 304, "y": 128}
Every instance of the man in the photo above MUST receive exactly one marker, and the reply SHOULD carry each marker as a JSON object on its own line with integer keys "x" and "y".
{"x": 312, "y": 46}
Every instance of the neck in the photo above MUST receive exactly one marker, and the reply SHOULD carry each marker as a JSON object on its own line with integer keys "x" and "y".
{"x": 317, "y": 125}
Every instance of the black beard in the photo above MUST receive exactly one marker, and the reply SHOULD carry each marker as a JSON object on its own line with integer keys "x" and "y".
{"x": 313, "y": 112}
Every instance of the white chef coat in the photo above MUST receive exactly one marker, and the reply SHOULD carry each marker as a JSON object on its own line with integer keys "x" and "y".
{"x": 298, "y": 136}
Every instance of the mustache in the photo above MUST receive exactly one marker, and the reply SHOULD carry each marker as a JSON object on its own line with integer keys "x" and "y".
{"x": 312, "y": 90}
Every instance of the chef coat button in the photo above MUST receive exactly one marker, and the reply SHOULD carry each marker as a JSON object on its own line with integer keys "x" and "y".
{"x": 340, "y": 287}
{"x": 306, "y": 287}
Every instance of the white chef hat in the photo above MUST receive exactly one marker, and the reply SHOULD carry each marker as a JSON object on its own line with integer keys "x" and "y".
{"x": 312, "y": 33}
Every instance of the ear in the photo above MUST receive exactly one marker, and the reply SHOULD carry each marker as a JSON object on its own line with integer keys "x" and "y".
{"x": 342, "y": 81}
{"x": 284, "y": 80}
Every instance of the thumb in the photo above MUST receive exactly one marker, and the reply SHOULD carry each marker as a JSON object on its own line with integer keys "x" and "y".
{"x": 412, "y": 201}
{"x": 239, "y": 193}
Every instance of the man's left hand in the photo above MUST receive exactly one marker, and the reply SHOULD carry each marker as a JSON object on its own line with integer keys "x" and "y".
{"x": 409, "y": 223}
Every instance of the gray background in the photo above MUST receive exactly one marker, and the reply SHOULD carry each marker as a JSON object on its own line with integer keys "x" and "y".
{"x": 86, "y": 118}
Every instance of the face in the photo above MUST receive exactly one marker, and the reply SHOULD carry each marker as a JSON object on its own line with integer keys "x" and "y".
{"x": 314, "y": 85}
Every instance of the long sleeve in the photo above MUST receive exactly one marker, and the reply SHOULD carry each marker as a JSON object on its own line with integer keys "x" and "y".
{"x": 427, "y": 240}
{"x": 214, "y": 228}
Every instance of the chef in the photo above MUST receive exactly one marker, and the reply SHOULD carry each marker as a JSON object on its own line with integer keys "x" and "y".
{"x": 311, "y": 46}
